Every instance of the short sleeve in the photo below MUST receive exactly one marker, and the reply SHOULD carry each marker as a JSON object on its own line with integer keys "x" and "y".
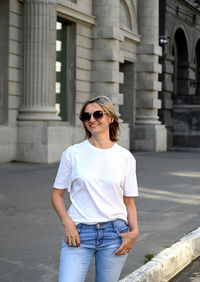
{"x": 130, "y": 186}
{"x": 63, "y": 177}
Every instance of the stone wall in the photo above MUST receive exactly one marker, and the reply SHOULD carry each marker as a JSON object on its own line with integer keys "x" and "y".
{"x": 179, "y": 21}
{"x": 11, "y": 57}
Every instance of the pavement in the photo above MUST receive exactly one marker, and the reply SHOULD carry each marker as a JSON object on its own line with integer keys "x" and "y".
{"x": 168, "y": 215}
{"x": 190, "y": 273}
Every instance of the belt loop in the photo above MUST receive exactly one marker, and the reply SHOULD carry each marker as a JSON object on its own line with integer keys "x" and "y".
{"x": 114, "y": 225}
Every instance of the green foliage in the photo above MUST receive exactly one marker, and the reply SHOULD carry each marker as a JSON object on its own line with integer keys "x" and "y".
{"x": 148, "y": 257}
{"x": 167, "y": 246}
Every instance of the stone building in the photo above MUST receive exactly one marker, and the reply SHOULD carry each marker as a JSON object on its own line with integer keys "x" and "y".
{"x": 55, "y": 54}
{"x": 180, "y": 38}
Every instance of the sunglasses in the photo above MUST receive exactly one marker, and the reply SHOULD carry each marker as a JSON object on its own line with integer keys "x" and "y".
{"x": 97, "y": 115}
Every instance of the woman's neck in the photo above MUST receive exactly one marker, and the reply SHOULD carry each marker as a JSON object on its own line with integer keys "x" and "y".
{"x": 101, "y": 142}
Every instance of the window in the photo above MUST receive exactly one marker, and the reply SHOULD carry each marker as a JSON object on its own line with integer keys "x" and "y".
{"x": 65, "y": 70}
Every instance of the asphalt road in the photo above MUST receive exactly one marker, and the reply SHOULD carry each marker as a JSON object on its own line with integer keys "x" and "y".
{"x": 31, "y": 233}
{"x": 190, "y": 273}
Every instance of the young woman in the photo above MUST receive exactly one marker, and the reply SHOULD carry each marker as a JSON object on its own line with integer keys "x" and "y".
{"x": 100, "y": 176}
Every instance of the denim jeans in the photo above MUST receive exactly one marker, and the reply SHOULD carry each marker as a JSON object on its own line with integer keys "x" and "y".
{"x": 99, "y": 240}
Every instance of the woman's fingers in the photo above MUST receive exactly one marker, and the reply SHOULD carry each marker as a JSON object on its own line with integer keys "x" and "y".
{"x": 128, "y": 240}
{"x": 123, "y": 250}
{"x": 76, "y": 241}
{"x": 120, "y": 250}
{"x": 72, "y": 239}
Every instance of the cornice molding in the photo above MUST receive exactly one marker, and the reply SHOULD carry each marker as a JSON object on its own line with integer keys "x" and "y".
{"x": 75, "y": 15}
{"x": 190, "y": 5}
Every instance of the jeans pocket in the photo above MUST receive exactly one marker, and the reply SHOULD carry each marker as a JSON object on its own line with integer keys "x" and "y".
{"x": 122, "y": 227}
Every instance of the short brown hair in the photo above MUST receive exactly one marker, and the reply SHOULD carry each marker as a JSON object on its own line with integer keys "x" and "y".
{"x": 108, "y": 107}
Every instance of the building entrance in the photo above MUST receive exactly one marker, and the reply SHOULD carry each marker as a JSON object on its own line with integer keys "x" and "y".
{"x": 186, "y": 101}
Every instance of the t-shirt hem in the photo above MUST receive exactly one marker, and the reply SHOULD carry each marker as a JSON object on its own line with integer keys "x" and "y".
{"x": 131, "y": 195}
{"x": 100, "y": 221}
{"x": 58, "y": 187}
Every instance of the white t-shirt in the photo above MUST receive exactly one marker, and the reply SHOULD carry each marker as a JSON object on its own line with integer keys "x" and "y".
{"x": 97, "y": 180}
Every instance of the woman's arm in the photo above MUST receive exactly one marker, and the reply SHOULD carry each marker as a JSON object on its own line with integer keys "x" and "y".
{"x": 128, "y": 239}
{"x": 71, "y": 233}
{"x": 132, "y": 214}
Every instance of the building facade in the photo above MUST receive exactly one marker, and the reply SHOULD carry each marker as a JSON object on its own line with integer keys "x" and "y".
{"x": 180, "y": 112}
{"x": 55, "y": 54}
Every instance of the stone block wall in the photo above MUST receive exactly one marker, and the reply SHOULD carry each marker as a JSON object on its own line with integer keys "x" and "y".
{"x": 83, "y": 66}
{"x": 14, "y": 61}
{"x": 12, "y": 79}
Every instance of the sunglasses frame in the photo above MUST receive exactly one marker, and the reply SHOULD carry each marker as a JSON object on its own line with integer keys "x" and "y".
{"x": 92, "y": 114}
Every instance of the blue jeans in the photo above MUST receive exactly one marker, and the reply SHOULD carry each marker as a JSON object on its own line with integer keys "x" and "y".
{"x": 99, "y": 240}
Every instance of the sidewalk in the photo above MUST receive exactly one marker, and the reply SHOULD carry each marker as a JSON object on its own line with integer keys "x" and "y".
{"x": 30, "y": 233}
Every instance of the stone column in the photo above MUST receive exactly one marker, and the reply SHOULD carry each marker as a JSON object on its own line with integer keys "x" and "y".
{"x": 39, "y": 56}
{"x": 39, "y": 131}
{"x": 106, "y": 76}
{"x": 105, "y": 52}
{"x": 150, "y": 134}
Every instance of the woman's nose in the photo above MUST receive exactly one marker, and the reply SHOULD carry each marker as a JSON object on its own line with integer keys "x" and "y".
{"x": 92, "y": 119}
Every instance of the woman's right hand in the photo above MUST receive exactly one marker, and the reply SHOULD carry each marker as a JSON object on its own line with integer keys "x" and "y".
{"x": 71, "y": 234}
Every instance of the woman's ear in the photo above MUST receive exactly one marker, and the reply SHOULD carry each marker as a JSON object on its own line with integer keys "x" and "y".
{"x": 111, "y": 120}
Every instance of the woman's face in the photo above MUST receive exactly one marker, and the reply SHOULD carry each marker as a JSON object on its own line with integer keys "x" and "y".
{"x": 97, "y": 126}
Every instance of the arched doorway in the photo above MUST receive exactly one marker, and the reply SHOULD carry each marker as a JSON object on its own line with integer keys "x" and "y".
{"x": 180, "y": 53}
{"x": 186, "y": 105}
{"x": 197, "y": 65}
{"x": 180, "y": 115}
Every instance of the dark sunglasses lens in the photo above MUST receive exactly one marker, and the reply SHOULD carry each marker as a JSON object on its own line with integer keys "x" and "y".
{"x": 85, "y": 116}
{"x": 98, "y": 115}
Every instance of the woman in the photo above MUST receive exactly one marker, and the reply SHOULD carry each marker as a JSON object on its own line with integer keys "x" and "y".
{"x": 101, "y": 179}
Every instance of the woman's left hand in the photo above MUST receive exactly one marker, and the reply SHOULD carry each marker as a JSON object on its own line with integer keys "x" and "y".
{"x": 128, "y": 239}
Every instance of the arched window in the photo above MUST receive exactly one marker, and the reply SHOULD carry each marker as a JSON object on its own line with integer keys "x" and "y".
{"x": 180, "y": 53}
{"x": 124, "y": 15}
{"x": 128, "y": 15}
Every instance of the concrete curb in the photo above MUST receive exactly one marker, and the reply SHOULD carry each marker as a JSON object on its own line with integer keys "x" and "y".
{"x": 170, "y": 261}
